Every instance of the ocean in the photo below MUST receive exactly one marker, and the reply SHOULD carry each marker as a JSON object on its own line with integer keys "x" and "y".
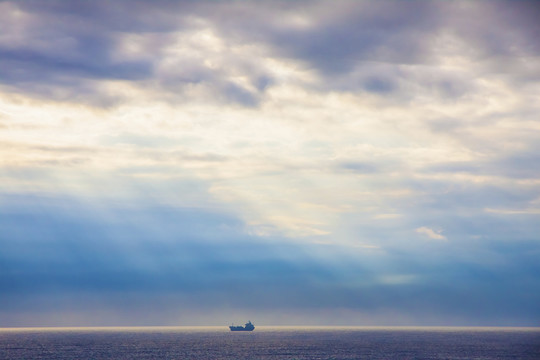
{"x": 270, "y": 343}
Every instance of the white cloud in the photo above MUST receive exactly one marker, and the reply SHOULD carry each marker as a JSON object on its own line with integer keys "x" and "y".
{"x": 430, "y": 233}
{"x": 278, "y": 146}
{"x": 513, "y": 211}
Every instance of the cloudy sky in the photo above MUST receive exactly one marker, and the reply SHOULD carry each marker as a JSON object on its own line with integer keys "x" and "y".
{"x": 288, "y": 162}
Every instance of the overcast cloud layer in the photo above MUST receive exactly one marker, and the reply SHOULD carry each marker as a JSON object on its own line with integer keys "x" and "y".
{"x": 306, "y": 162}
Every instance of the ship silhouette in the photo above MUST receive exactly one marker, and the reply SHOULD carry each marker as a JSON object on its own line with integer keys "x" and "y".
{"x": 248, "y": 327}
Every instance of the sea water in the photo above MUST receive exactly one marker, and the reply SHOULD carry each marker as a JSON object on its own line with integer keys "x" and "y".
{"x": 270, "y": 343}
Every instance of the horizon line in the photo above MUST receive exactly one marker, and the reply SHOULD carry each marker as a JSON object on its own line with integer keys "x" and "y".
{"x": 270, "y": 327}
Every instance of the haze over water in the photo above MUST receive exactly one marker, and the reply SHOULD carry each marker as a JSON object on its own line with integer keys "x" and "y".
{"x": 342, "y": 162}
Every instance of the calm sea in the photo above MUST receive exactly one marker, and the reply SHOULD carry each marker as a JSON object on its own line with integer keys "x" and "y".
{"x": 270, "y": 343}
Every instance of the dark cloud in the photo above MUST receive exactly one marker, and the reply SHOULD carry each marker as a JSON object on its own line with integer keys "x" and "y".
{"x": 360, "y": 167}
{"x": 518, "y": 165}
{"x": 378, "y": 85}
{"x": 369, "y": 32}
{"x": 516, "y": 27}
{"x": 347, "y": 44}
{"x": 62, "y": 50}
{"x": 58, "y": 48}
{"x": 89, "y": 61}
{"x": 523, "y": 165}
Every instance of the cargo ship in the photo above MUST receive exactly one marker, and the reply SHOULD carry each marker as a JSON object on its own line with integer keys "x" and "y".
{"x": 248, "y": 327}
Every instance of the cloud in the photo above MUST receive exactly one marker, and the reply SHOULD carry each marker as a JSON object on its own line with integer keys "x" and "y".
{"x": 155, "y": 151}
{"x": 430, "y": 233}
{"x": 90, "y": 259}
{"x": 360, "y": 167}
{"x": 513, "y": 212}
{"x": 196, "y": 51}
{"x": 64, "y": 50}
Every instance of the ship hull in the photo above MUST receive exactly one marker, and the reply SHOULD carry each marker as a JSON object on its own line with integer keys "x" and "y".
{"x": 249, "y": 327}
{"x": 242, "y": 329}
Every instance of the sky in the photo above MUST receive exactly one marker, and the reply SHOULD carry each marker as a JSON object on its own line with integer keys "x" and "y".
{"x": 284, "y": 162}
